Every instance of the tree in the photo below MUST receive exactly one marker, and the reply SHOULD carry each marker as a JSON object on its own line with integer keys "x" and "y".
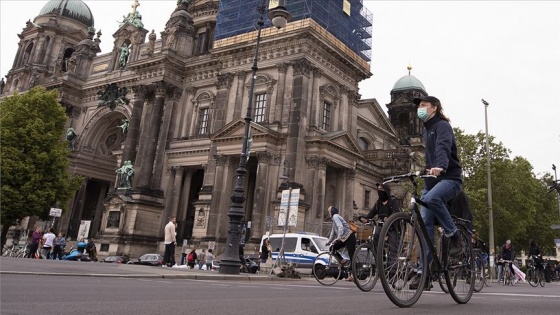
{"x": 34, "y": 156}
{"x": 522, "y": 209}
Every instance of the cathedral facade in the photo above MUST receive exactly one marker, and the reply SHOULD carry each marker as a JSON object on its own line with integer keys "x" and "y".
{"x": 158, "y": 124}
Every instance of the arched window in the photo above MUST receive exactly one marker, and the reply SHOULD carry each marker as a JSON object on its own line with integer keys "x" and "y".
{"x": 363, "y": 143}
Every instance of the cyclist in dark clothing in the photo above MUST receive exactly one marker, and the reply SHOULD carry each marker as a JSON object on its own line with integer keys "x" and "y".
{"x": 507, "y": 253}
{"x": 383, "y": 208}
{"x": 536, "y": 255}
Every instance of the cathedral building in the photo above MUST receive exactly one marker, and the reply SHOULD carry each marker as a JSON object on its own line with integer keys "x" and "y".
{"x": 156, "y": 125}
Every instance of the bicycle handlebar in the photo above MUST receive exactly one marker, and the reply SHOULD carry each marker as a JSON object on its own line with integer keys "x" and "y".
{"x": 411, "y": 176}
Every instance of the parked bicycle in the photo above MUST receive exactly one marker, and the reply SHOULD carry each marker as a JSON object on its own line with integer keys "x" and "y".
{"x": 404, "y": 237}
{"x": 535, "y": 275}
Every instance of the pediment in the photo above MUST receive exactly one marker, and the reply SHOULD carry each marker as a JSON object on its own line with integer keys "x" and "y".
{"x": 235, "y": 130}
{"x": 116, "y": 199}
{"x": 341, "y": 140}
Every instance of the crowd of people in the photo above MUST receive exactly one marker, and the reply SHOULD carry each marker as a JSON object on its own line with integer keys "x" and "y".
{"x": 50, "y": 246}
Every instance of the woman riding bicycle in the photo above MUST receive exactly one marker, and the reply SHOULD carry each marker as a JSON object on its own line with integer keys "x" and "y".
{"x": 341, "y": 235}
{"x": 441, "y": 161}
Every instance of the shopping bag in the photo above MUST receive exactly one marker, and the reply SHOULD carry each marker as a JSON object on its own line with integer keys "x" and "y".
{"x": 518, "y": 273}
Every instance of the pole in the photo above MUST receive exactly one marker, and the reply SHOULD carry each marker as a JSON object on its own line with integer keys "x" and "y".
{"x": 557, "y": 192}
{"x": 489, "y": 180}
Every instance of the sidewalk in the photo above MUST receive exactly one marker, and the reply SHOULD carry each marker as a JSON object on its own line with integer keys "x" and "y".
{"x": 26, "y": 266}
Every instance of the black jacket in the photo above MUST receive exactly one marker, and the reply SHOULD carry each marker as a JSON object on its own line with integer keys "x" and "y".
{"x": 383, "y": 210}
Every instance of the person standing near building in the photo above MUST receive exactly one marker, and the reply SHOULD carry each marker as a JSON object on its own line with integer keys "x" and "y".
{"x": 209, "y": 260}
{"x": 59, "y": 245}
{"x": 35, "y": 241}
{"x": 442, "y": 161}
{"x": 170, "y": 243}
{"x": 191, "y": 258}
{"x": 48, "y": 243}
{"x": 201, "y": 259}
{"x": 265, "y": 250}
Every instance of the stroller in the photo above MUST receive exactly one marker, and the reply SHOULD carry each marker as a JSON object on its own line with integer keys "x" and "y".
{"x": 78, "y": 253}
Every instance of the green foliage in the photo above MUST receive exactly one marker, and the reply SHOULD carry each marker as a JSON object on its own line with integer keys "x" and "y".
{"x": 522, "y": 208}
{"x": 34, "y": 155}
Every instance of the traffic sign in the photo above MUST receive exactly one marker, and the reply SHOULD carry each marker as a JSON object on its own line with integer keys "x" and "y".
{"x": 55, "y": 212}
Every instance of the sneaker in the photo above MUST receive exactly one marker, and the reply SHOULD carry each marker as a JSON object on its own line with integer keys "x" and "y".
{"x": 455, "y": 246}
{"x": 416, "y": 281}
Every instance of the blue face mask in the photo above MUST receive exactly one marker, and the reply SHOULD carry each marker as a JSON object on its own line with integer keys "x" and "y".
{"x": 422, "y": 113}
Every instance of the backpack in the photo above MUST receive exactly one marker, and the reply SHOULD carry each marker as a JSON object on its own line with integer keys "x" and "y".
{"x": 190, "y": 257}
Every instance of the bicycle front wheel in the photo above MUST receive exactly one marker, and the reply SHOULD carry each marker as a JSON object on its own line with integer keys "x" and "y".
{"x": 327, "y": 269}
{"x": 487, "y": 276}
{"x": 461, "y": 272}
{"x": 398, "y": 257}
{"x": 363, "y": 267}
{"x": 541, "y": 278}
{"x": 479, "y": 272}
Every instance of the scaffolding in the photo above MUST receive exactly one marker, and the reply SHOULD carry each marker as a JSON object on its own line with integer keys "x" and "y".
{"x": 354, "y": 30}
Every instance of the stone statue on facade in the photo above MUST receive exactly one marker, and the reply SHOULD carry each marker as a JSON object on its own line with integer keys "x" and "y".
{"x": 126, "y": 174}
{"x": 133, "y": 17}
{"x": 57, "y": 67}
{"x": 2, "y": 85}
{"x": 171, "y": 36}
{"x": 185, "y": 2}
{"x": 124, "y": 126}
{"x": 123, "y": 56}
{"x": 151, "y": 42}
{"x": 72, "y": 138}
{"x": 72, "y": 64}
{"x": 112, "y": 96}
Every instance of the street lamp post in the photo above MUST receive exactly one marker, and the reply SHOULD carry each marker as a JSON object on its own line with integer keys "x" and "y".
{"x": 557, "y": 191}
{"x": 489, "y": 179}
{"x": 230, "y": 262}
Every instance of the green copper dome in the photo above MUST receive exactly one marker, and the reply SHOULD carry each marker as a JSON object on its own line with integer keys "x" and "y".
{"x": 73, "y": 9}
{"x": 408, "y": 82}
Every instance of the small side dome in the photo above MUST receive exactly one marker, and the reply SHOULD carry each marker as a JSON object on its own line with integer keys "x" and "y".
{"x": 408, "y": 82}
{"x": 73, "y": 9}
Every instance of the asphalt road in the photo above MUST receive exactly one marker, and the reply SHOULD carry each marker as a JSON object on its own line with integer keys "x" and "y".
{"x": 55, "y": 294}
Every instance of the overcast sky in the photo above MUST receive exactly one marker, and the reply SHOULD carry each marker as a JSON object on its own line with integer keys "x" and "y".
{"x": 507, "y": 52}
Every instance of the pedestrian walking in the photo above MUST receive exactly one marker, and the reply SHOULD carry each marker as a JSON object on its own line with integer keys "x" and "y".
{"x": 170, "y": 243}
{"x": 191, "y": 259}
{"x": 36, "y": 238}
{"x": 59, "y": 245}
{"x": 201, "y": 259}
{"x": 209, "y": 259}
{"x": 48, "y": 243}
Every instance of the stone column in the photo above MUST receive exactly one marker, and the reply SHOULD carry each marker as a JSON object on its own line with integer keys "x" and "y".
{"x": 150, "y": 137}
{"x": 222, "y": 99}
{"x": 17, "y": 59}
{"x": 38, "y": 57}
{"x": 353, "y": 98}
{"x": 183, "y": 199}
{"x": 21, "y": 53}
{"x": 344, "y": 110}
{"x": 316, "y": 105}
{"x": 281, "y": 111}
{"x": 260, "y": 200}
{"x": 349, "y": 175}
{"x": 295, "y": 143}
{"x": 166, "y": 133}
{"x": 172, "y": 194}
{"x": 187, "y": 113}
{"x": 133, "y": 133}
{"x": 241, "y": 76}
{"x": 31, "y": 57}
{"x": 48, "y": 52}
{"x": 221, "y": 174}
{"x": 319, "y": 165}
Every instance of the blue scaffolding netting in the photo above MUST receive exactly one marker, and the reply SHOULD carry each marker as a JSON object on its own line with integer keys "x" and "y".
{"x": 240, "y": 16}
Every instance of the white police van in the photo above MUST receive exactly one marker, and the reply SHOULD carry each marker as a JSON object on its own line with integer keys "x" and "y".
{"x": 299, "y": 248}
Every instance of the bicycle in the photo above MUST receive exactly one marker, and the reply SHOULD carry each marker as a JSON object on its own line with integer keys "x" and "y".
{"x": 12, "y": 250}
{"x": 404, "y": 237}
{"x": 535, "y": 276}
{"x": 328, "y": 269}
{"x": 507, "y": 275}
{"x": 363, "y": 262}
{"x": 480, "y": 270}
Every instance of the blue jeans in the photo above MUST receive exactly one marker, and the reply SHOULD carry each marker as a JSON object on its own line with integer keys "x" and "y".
{"x": 437, "y": 199}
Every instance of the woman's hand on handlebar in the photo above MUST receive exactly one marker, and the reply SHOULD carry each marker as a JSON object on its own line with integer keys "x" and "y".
{"x": 436, "y": 171}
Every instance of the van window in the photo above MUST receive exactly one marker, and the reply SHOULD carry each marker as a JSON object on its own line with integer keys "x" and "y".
{"x": 289, "y": 244}
{"x": 307, "y": 245}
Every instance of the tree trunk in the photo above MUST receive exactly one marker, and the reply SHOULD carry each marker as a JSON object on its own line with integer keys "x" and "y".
{"x": 5, "y": 228}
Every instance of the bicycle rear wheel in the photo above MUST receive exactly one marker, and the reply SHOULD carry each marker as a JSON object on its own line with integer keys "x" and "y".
{"x": 532, "y": 277}
{"x": 460, "y": 271}
{"x": 479, "y": 272}
{"x": 363, "y": 267}
{"x": 327, "y": 269}
{"x": 488, "y": 279}
{"x": 400, "y": 241}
